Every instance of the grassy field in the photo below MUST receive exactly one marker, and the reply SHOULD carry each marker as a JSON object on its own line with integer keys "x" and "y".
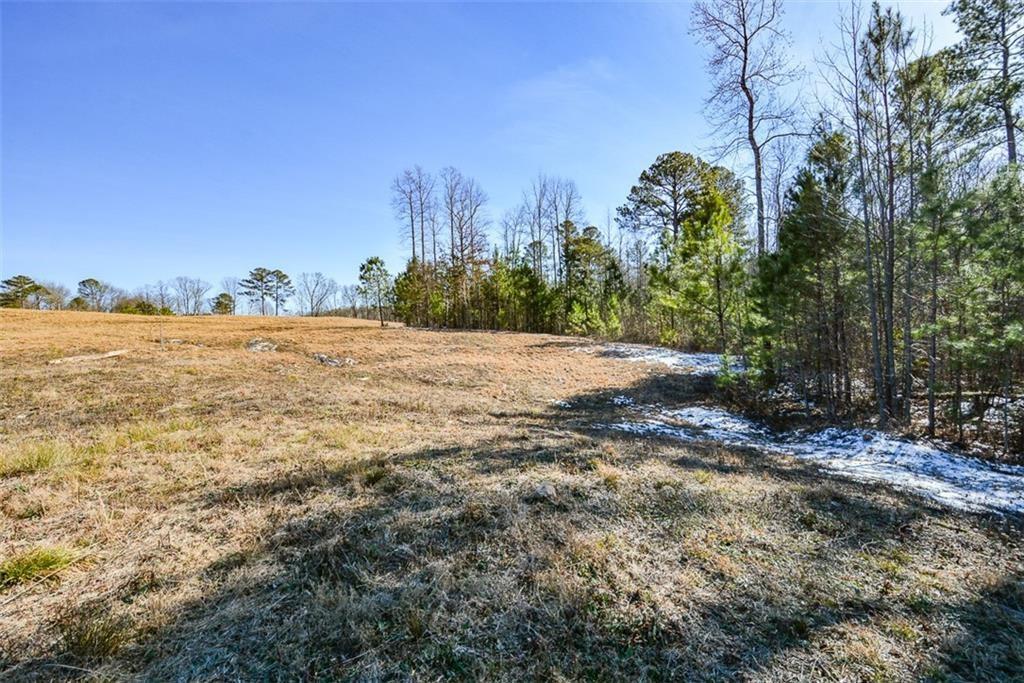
{"x": 195, "y": 510}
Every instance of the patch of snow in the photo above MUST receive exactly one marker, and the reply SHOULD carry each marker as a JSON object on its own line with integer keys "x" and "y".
{"x": 1011, "y": 409}
{"x": 622, "y": 400}
{"x": 562, "y": 404}
{"x": 690, "y": 363}
{"x": 955, "y": 480}
{"x": 720, "y": 425}
{"x": 864, "y": 455}
{"x": 651, "y": 428}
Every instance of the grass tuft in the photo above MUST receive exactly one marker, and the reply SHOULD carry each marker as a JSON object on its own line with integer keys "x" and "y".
{"x": 34, "y": 563}
{"x": 35, "y": 457}
{"x": 90, "y": 632}
{"x": 374, "y": 475}
{"x": 611, "y": 476}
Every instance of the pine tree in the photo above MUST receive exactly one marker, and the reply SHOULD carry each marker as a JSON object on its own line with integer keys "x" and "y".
{"x": 281, "y": 289}
{"x": 222, "y": 304}
{"x": 993, "y": 53}
{"x": 94, "y": 293}
{"x": 15, "y": 291}
{"x": 375, "y": 283}
{"x": 258, "y": 287}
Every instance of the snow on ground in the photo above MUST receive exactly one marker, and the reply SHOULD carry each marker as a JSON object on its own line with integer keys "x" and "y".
{"x": 864, "y": 455}
{"x": 691, "y": 363}
{"x": 861, "y": 454}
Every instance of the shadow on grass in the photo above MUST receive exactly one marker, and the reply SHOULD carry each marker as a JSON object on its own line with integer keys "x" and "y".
{"x": 986, "y": 640}
{"x": 453, "y": 563}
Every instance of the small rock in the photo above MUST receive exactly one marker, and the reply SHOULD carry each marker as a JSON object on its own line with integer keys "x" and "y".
{"x": 258, "y": 345}
{"x": 331, "y": 361}
{"x": 324, "y": 359}
{"x": 543, "y": 491}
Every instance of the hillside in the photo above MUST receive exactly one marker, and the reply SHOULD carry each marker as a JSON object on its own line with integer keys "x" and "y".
{"x": 341, "y": 501}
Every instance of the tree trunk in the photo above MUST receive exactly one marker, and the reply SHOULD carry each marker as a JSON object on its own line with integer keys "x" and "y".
{"x": 933, "y": 315}
{"x": 1007, "y": 97}
{"x": 889, "y": 264}
{"x": 869, "y": 265}
{"x": 755, "y": 151}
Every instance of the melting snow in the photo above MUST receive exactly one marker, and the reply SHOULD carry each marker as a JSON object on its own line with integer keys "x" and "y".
{"x": 860, "y": 454}
{"x": 691, "y": 363}
{"x": 864, "y": 455}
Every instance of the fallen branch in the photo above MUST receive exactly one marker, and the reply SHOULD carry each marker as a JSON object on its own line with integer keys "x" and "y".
{"x": 88, "y": 356}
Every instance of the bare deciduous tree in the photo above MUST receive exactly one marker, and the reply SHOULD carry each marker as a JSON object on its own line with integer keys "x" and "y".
{"x": 415, "y": 206}
{"x": 315, "y": 292}
{"x": 515, "y": 224}
{"x": 403, "y": 201}
{"x": 535, "y": 207}
{"x": 564, "y": 204}
{"x": 53, "y": 296}
{"x": 349, "y": 296}
{"x": 748, "y": 67}
{"x": 230, "y": 286}
{"x": 425, "y": 207}
{"x": 189, "y": 294}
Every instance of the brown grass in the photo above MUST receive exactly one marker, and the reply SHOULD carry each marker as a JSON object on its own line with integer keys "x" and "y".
{"x": 261, "y": 516}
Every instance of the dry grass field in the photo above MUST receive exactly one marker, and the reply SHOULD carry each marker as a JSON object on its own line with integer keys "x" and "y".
{"x": 194, "y": 510}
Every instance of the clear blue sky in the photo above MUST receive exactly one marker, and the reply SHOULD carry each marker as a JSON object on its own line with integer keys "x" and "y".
{"x": 141, "y": 141}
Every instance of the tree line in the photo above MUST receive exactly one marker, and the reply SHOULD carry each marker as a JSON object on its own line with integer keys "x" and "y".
{"x": 263, "y": 291}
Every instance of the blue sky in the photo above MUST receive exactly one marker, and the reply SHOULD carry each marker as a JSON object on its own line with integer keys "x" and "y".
{"x": 141, "y": 141}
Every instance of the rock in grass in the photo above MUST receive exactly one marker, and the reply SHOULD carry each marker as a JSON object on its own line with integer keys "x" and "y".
{"x": 259, "y": 345}
{"x": 544, "y": 491}
{"x": 87, "y": 357}
{"x": 331, "y": 361}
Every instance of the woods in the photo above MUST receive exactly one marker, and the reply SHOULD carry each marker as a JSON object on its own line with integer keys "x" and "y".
{"x": 888, "y": 279}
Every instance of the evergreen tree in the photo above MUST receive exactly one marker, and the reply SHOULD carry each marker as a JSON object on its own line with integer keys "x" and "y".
{"x": 993, "y": 54}
{"x": 375, "y": 283}
{"x": 666, "y": 193}
{"x": 806, "y": 290}
{"x": 699, "y": 279}
{"x": 258, "y": 287}
{"x": 94, "y": 293}
{"x": 281, "y": 289}
{"x": 15, "y": 291}
{"x": 222, "y": 304}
